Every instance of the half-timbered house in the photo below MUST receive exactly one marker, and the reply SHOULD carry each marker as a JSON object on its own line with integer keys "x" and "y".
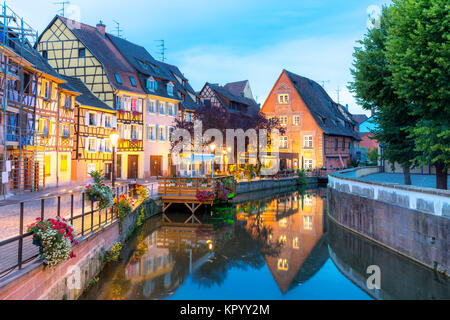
{"x": 87, "y": 53}
{"x": 94, "y": 122}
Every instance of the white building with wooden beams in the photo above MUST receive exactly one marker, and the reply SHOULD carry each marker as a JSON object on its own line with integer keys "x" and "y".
{"x": 85, "y": 52}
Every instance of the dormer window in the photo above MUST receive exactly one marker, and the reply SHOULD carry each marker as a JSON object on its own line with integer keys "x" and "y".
{"x": 133, "y": 82}
{"x": 118, "y": 80}
{"x": 170, "y": 89}
{"x": 152, "y": 85}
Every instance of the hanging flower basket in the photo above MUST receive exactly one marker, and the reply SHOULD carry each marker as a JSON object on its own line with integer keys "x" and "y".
{"x": 54, "y": 237}
{"x": 99, "y": 191}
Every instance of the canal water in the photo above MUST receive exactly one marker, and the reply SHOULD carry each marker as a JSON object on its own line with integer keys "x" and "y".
{"x": 282, "y": 247}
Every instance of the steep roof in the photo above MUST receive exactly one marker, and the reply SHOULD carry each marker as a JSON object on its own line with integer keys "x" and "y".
{"x": 105, "y": 51}
{"x": 87, "y": 98}
{"x": 359, "y": 118}
{"x": 236, "y": 88}
{"x": 332, "y": 118}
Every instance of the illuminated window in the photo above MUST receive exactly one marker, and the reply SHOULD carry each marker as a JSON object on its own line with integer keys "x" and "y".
{"x": 63, "y": 165}
{"x": 283, "y": 98}
{"x": 283, "y": 240}
{"x": 308, "y": 164}
{"x": 308, "y": 201}
{"x": 295, "y": 244}
{"x": 284, "y": 121}
{"x": 47, "y": 166}
{"x": 283, "y": 265}
{"x": 283, "y": 142}
{"x": 283, "y": 223}
{"x": 308, "y": 141}
{"x": 296, "y": 120}
{"x": 308, "y": 222}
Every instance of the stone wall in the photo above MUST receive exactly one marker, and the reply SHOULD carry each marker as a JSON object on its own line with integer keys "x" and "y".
{"x": 246, "y": 187}
{"x": 69, "y": 279}
{"x": 412, "y": 221}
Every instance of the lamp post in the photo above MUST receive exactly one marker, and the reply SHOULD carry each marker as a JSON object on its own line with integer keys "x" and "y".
{"x": 114, "y": 137}
{"x": 213, "y": 148}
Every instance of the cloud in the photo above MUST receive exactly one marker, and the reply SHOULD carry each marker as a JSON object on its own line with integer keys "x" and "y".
{"x": 325, "y": 59}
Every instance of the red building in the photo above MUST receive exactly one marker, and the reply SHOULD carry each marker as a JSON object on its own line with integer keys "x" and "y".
{"x": 319, "y": 132}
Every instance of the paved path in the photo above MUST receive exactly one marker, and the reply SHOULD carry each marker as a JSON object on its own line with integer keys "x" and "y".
{"x": 419, "y": 180}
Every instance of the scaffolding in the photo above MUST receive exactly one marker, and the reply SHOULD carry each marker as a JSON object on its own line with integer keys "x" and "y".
{"x": 21, "y": 167}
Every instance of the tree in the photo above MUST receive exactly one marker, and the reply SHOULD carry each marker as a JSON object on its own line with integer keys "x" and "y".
{"x": 418, "y": 56}
{"x": 374, "y": 91}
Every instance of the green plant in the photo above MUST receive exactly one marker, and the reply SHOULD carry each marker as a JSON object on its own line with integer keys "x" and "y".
{"x": 99, "y": 191}
{"x": 302, "y": 180}
{"x": 114, "y": 253}
{"x": 124, "y": 205}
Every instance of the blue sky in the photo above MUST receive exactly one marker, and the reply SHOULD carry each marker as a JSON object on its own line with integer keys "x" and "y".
{"x": 225, "y": 41}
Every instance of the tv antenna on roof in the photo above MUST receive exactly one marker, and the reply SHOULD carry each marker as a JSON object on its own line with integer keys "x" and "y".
{"x": 63, "y": 4}
{"x": 338, "y": 91}
{"x": 118, "y": 30}
{"x": 163, "y": 50}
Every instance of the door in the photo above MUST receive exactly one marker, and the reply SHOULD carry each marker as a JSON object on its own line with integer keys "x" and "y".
{"x": 133, "y": 166}
{"x": 155, "y": 165}
{"x": 119, "y": 167}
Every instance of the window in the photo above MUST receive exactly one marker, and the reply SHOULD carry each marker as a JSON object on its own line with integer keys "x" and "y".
{"x": 336, "y": 144}
{"x": 307, "y": 201}
{"x": 108, "y": 121}
{"x": 45, "y": 89}
{"x": 343, "y": 144}
{"x": 283, "y": 265}
{"x": 65, "y": 131}
{"x": 134, "y": 105}
{"x": 295, "y": 244}
{"x": 91, "y": 119}
{"x": 170, "y": 89}
{"x": 170, "y": 109}
{"x": 151, "y": 106}
{"x": 308, "y": 164}
{"x": 151, "y": 133}
{"x": 63, "y": 165}
{"x": 91, "y": 167}
{"x": 118, "y": 80}
{"x": 135, "y": 133}
{"x": 308, "y": 141}
{"x": 44, "y": 127}
{"x": 162, "y": 135}
{"x": 133, "y": 82}
{"x": 152, "y": 85}
{"x": 68, "y": 102}
{"x": 283, "y": 143}
{"x": 81, "y": 53}
{"x": 296, "y": 120}
{"x": 108, "y": 146}
{"x": 92, "y": 145}
{"x": 308, "y": 223}
{"x": 47, "y": 165}
{"x": 283, "y": 98}
{"x": 162, "y": 108}
{"x": 188, "y": 117}
{"x": 284, "y": 120}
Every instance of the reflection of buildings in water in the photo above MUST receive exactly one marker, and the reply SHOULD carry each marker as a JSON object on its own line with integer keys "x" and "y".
{"x": 296, "y": 222}
{"x": 166, "y": 256}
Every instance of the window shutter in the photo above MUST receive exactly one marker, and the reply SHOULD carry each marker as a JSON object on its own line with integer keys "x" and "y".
{"x": 139, "y": 106}
{"x": 103, "y": 121}
{"x": 157, "y": 132}
{"x": 98, "y": 117}
{"x": 86, "y": 144}
{"x": 86, "y": 118}
{"x": 140, "y": 133}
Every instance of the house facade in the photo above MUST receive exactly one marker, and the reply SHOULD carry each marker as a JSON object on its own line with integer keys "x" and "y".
{"x": 77, "y": 50}
{"x": 319, "y": 132}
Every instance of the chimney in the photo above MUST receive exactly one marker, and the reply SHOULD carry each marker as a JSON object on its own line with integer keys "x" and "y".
{"x": 101, "y": 28}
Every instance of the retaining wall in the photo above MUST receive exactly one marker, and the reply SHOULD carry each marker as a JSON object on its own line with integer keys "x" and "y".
{"x": 409, "y": 220}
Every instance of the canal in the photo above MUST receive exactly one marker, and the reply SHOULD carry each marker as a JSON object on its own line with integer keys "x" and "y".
{"x": 278, "y": 248}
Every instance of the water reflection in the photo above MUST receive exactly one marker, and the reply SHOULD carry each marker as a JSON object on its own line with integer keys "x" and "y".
{"x": 275, "y": 248}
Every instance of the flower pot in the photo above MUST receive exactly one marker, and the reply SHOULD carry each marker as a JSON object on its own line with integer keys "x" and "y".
{"x": 93, "y": 198}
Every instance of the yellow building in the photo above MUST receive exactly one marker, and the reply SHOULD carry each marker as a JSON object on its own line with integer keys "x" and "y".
{"x": 85, "y": 52}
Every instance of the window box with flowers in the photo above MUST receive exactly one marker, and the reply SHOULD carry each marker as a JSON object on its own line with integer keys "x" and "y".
{"x": 55, "y": 238}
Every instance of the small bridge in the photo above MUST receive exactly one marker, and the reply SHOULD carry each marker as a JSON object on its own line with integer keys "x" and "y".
{"x": 186, "y": 191}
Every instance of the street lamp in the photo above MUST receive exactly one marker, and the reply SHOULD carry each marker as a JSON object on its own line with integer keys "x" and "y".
{"x": 213, "y": 148}
{"x": 114, "y": 137}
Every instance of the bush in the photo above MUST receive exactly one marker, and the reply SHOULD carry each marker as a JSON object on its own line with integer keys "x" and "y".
{"x": 124, "y": 205}
{"x": 302, "y": 179}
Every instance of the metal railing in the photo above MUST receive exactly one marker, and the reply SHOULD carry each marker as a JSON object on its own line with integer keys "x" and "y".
{"x": 16, "y": 244}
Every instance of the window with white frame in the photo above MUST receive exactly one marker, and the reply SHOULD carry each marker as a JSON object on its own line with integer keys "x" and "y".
{"x": 284, "y": 120}
{"x": 308, "y": 141}
{"x": 92, "y": 145}
{"x": 283, "y": 98}
{"x": 108, "y": 146}
{"x": 108, "y": 121}
{"x": 151, "y": 133}
{"x": 134, "y": 133}
{"x": 170, "y": 89}
{"x": 152, "y": 85}
{"x": 91, "y": 119}
{"x": 65, "y": 131}
{"x": 151, "y": 108}
{"x": 283, "y": 143}
{"x": 162, "y": 107}
{"x": 296, "y": 120}
{"x": 162, "y": 133}
{"x": 308, "y": 164}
